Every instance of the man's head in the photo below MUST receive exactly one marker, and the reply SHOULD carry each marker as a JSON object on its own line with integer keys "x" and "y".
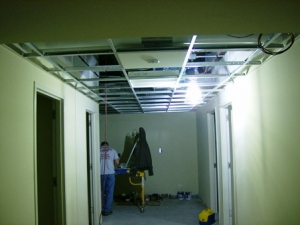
{"x": 104, "y": 143}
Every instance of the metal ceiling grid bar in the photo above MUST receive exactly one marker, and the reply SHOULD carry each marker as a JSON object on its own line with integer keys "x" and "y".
{"x": 156, "y": 104}
{"x": 130, "y": 110}
{"x": 110, "y": 88}
{"x": 253, "y": 55}
{"x": 123, "y": 70}
{"x": 183, "y": 91}
{"x": 154, "y": 97}
{"x": 204, "y": 75}
{"x": 98, "y": 79}
{"x": 120, "y": 106}
{"x": 121, "y": 98}
{"x": 69, "y": 53}
{"x": 54, "y": 63}
{"x": 232, "y": 47}
{"x": 184, "y": 105}
{"x": 115, "y": 79}
{"x": 124, "y": 102}
{"x": 155, "y": 101}
{"x": 155, "y": 107}
{"x": 202, "y": 90}
{"x": 183, "y": 65}
{"x": 128, "y": 107}
{"x": 178, "y": 100}
{"x": 225, "y": 48}
{"x": 116, "y": 94}
{"x": 153, "y": 92}
{"x": 199, "y": 84}
{"x": 110, "y": 68}
{"x": 268, "y": 43}
{"x": 221, "y": 63}
{"x": 180, "y": 108}
{"x": 153, "y": 77}
{"x": 155, "y": 111}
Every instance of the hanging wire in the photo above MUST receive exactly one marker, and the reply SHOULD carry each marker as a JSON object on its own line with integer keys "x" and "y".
{"x": 269, "y": 52}
{"x": 105, "y": 105}
{"x": 248, "y": 35}
{"x": 105, "y": 147}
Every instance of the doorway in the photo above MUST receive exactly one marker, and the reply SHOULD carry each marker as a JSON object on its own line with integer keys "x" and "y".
{"x": 90, "y": 180}
{"x": 228, "y": 212}
{"x": 230, "y": 164}
{"x": 49, "y": 161}
{"x": 213, "y": 155}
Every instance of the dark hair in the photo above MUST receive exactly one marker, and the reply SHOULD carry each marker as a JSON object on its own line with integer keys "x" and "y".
{"x": 104, "y": 143}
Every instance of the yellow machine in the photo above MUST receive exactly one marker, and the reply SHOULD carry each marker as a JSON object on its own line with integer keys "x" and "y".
{"x": 136, "y": 178}
{"x": 142, "y": 184}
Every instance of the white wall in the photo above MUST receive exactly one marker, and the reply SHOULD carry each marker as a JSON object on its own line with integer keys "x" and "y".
{"x": 203, "y": 154}
{"x": 175, "y": 169}
{"x": 17, "y": 190}
{"x": 266, "y": 111}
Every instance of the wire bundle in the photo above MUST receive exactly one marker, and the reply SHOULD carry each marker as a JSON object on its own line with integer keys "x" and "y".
{"x": 269, "y": 52}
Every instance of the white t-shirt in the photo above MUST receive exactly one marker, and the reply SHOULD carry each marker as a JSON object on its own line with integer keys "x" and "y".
{"x": 108, "y": 156}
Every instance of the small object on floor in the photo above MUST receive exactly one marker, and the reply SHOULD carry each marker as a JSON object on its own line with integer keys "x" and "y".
{"x": 180, "y": 195}
{"x": 107, "y": 213}
{"x": 207, "y": 217}
{"x": 188, "y": 195}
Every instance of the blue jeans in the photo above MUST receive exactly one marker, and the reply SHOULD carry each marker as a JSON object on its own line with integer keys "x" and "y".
{"x": 107, "y": 191}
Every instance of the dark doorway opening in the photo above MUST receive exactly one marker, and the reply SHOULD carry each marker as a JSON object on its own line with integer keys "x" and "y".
{"x": 89, "y": 167}
{"x": 49, "y": 161}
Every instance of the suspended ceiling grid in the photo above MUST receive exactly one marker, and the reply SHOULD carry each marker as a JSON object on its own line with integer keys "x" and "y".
{"x": 152, "y": 74}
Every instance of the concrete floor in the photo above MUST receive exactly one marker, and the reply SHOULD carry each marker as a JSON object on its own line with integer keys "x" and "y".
{"x": 170, "y": 212}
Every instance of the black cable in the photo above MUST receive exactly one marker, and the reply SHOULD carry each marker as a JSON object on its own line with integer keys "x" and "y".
{"x": 239, "y": 36}
{"x": 263, "y": 49}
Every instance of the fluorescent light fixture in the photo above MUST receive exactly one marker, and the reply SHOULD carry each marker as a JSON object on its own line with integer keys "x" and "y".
{"x": 153, "y": 74}
{"x": 156, "y": 83}
{"x": 156, "y": 79}
{"x": 193, "y": 94}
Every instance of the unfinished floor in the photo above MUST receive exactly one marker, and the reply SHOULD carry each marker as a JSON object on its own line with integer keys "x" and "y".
{"x": 170, "y": 212}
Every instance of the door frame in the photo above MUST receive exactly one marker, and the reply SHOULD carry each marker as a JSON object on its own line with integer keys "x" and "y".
{"x": 96, "y": 185}
{"x": 213, "y": 161}
{"x": 90, "y": 166}
{"x": 225, "y": 144}
{"x": 41, "y": 89}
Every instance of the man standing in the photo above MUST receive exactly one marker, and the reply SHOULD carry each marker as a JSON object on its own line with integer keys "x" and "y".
{"x": 109, "y": 159}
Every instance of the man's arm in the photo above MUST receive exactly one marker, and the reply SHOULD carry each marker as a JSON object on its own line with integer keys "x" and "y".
{"x": 117, "y": 161}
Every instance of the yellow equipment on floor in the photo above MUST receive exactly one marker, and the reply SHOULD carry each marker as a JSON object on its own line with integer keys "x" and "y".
{"x": 207, "y": 217}
{"x": 136, "y": 177}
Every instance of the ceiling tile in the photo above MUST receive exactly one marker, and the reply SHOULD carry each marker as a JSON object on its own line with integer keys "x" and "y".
{"x": 142, "y": 59}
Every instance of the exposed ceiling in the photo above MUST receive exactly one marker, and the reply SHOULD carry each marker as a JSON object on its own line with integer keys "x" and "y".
{"x": 154, "y": 74}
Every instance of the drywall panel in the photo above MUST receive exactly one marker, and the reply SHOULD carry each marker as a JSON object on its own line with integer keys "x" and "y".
{"x": 265, "y": 115}
{"x": 176, "y": 168}
{"x": 16, "y": 133}
{"x": 83, "y": 105}
{"x": 203, "y": 154}
{"x": 17, "y": 95}
{"x": 266, "y": 142}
